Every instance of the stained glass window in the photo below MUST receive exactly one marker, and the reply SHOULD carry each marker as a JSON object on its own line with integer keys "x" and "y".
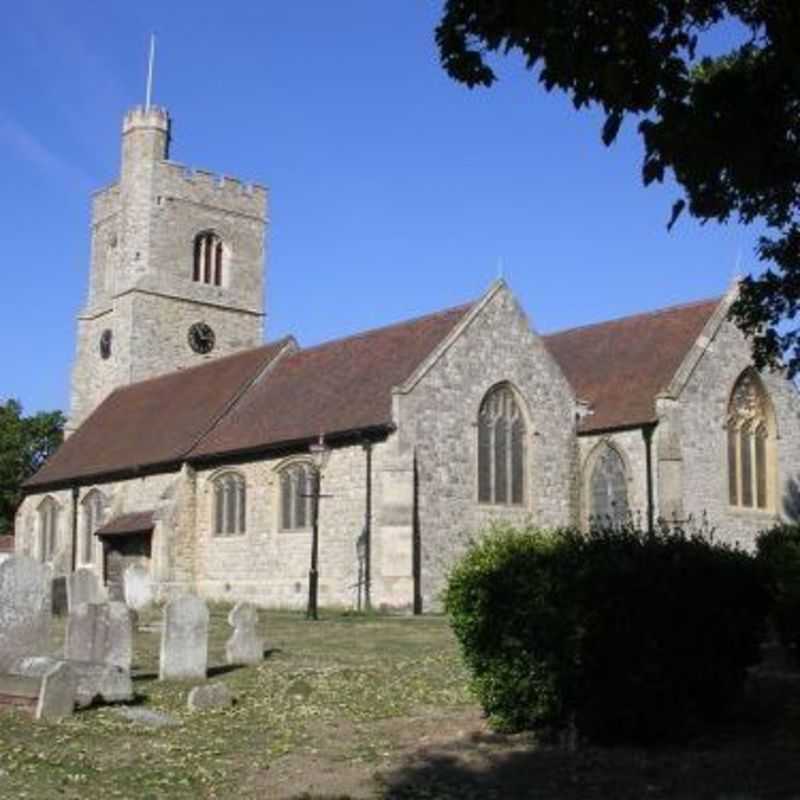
{"x": 501, "y": 449}
{"x": 608, "y": 490}
{"x": 230, "y": 496}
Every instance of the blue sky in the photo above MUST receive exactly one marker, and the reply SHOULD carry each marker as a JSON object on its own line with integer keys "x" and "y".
{"x": 394, "y": 190}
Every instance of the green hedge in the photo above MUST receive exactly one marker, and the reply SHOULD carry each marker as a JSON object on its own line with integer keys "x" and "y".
{"x": 779, "y": 553}
{"x": 633, "y": 637}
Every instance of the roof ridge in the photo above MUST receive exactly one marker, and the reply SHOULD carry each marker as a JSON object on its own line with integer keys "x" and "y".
{"x": 183, "y": 370}
{"x": 654, "y": 313}
{"x": 463, "y": 307}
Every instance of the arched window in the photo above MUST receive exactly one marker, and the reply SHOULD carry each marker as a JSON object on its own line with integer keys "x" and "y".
{"x": 501, "y": 449}
{"x": 751, "y": 440}
{"x": 209, "y": 256}
{"x": 49, "y": 515}
{"x": 608, "y": 492}
{"x": 93, "y": 514}
{"x": 296, "y": 486}
{"x": 230, "y": 504}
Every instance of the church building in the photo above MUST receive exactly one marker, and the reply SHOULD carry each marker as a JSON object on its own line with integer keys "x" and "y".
{"x": 194, "y": 448}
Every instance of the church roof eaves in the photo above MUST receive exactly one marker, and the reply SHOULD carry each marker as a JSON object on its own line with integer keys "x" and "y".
{"x": 620, "y": 366}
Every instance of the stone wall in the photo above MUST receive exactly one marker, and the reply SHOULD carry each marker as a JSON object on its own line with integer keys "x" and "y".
{"x": 703, "y": 405}
{"x": 437, "y": 419}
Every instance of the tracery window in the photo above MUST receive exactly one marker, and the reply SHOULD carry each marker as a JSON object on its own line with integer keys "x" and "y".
{"x": 608, "y": 492}
{"x": 230, "y": 504}
{"x": 209, "y": 254}
{"x": 296, "y": 487}
{"x": 93, "y": 513}
{"x": 501, "y": 449}
{"x": 750, "y": 439}
{"x": 49, "y": 515}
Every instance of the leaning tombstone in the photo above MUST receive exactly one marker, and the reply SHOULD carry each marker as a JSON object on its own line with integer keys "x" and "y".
{"x": 25, "y": 607}
{"x": 138, "y": 587}
{"x": 245, "y": 645}
{"x": 119, "y": 641}
{"x": 83, "y": 586}
{"x": 57, "y": 693}
{"x": 184, "y": 639}
{"x": 87, "y": 632}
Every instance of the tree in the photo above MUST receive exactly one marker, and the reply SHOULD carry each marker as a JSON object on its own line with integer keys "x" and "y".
{"x": 25, "y": 444}
{"x": 727, "y": 128}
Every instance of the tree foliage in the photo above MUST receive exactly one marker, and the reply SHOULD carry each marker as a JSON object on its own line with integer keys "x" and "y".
{"x": 25, "y": 443}
{"x": 727, "y": 128}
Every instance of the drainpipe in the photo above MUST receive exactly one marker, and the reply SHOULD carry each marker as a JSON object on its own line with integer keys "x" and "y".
{"x": 368, "y": 529}
{"x": 75, "y": 493}
{"x": 647, "y": 434}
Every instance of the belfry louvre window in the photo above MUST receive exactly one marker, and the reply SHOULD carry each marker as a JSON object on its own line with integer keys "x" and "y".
{"x": 750, "y": 442}
{"x": 501, "y": 449}
{"x": 93, "y": 512}
{"x": 296, "y": 485}
{"x": 209, "y": 254}
{"x": 230, "y": 504}
{"x": 49, "y": 514}
{"x": 608, "y": 494}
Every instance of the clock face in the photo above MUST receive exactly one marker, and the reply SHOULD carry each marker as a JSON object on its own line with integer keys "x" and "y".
{"x": 105, "y": 343}
{"x": 201, "y": 338}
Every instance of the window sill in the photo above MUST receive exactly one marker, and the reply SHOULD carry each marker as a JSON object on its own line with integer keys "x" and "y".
{"x": 291, "y": 531}
{"x": 754, "y": 513}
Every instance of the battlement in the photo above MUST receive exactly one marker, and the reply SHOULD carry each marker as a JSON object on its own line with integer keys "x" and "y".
{"x": 223, "y": 188}
{"x": 141, "y": 117}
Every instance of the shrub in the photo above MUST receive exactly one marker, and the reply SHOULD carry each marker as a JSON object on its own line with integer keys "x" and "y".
{"x": 633, "y": 636}
{"x": 779, "y": 554}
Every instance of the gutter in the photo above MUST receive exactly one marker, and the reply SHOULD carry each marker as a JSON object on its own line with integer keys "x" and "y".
{"x": 647, "y": 435}
{"x": 75, "y": 494}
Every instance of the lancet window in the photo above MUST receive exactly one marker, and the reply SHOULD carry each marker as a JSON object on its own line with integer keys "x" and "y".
{"x": 608, "y": 493}
{"x": 230, "y": 504}
{"x": 93, "y": 514}
{"x": 296, "y": 488}
{"x": 209, "y": 256}
{"x": 49, "y": 515}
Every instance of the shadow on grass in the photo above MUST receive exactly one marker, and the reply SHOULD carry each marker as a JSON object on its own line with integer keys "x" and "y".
{"x": 753, "y": 756}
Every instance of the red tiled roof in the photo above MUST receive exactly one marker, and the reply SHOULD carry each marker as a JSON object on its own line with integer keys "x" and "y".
{"x": 136, "y": 522}
{"x": 620, "y": 366}
{"x": 6, "y": 544}
{"x": 156, "y": 421}
{"x": 340, "y": 386}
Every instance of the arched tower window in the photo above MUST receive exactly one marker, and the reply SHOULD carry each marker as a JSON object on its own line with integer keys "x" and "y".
{"x": 501, "y": 449}
{"x": 751, "y": 443}
{"x": 209, "y": 257}
{"x": 296, "y": 486}
{"x": 93, "y": 515}
{"x": 608, "y": 492}
{"x": 230, "y": 504}
{"x": 49, "y": 515}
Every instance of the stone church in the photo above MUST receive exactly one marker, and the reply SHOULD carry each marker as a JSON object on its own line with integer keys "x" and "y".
{"x": 193, "y": 447}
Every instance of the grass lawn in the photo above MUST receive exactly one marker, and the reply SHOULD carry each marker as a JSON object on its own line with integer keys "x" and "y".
{"x": 371, "y": 707}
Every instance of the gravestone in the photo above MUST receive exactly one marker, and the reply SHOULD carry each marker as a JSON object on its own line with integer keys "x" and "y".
{"x": 83, "y": 586}
{"x": 245, "y": 645}
{"x": 212, "y": 695}
{"x": 138, "y": 587}
{"x": 184, "y": 639}
{"x": 59, "y": 593}
{"x": 87, "y": 632}
{"x": 119, "y": 641}
{"x": 25, "y": 607}
{"x": 57, "y": 693}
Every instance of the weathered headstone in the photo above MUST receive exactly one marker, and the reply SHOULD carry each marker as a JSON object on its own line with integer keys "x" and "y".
{"x": 57, "y": 693}
{"x": 119, "y": 641}
{"x": 87, "y": 632}
{"x": 83, "y": 586}
{"x": 59, "y": 594}
{"x": 25, "y": 607}
{"x": 95, "y": 680}
{"x": 139, "y": 590}
{"x": 245, "y": 645}
{"x": 212, "y": 695}
{"x": 184, "y": 639}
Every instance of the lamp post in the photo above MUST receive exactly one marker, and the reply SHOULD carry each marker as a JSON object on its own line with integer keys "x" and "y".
{"x": 319, "y": 456}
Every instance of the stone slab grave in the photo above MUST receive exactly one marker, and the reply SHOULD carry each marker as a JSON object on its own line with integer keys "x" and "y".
{"x": 25, "y": 608}
{"x": 100, "y": 632}
{"x": 94, "y": 680}
{"x": 50, "y": 697}
{"x": 245, "y": 645}
{"x": 184, "y": 639}
{"x": 83, "y": 586}
{"x": 213, "y": 695}
{"x": 138, "y": 587}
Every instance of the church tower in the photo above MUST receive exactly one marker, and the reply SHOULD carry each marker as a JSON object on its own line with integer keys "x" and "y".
{"x": 177, "y": 268}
